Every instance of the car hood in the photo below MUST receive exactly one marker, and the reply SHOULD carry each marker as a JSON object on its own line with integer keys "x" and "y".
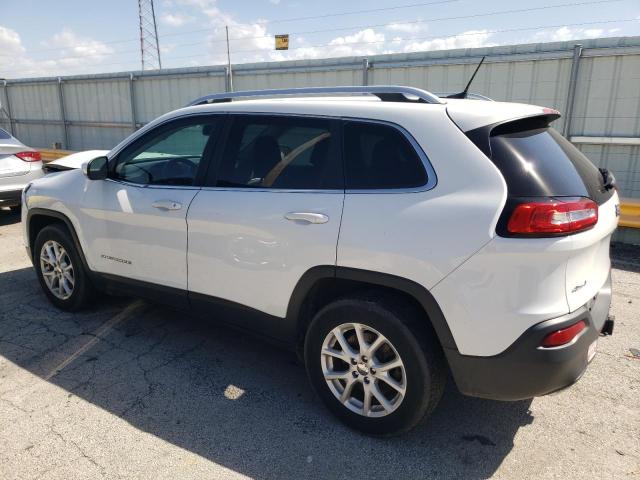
{"x": 75, "y": 160}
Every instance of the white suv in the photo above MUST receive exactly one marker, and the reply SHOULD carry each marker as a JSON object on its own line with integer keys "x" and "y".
{"x": 389, "y": 238}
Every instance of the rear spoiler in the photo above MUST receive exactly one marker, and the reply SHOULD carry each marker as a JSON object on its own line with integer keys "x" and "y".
{"x": 481, "y": 136}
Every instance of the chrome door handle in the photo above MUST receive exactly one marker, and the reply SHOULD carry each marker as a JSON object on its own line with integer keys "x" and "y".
{"x": 307, "y": 217}
{"x": 166, "y": 205}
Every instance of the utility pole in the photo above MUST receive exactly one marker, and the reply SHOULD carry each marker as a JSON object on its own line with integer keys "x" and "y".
{"x": 149, "y": 42}
{"x": 229, "y": 62}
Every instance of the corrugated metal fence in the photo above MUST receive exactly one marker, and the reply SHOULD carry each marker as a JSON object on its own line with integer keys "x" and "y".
{"x": 596, "y": 86}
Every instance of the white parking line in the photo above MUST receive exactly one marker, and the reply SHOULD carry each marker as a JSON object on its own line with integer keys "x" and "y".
{"x": 101, "y": 332}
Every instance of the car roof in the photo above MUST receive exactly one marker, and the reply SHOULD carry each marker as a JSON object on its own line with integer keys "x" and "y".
{"x": 467, "y": 114}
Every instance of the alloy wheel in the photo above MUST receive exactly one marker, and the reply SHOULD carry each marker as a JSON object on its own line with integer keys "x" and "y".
{"x": 57, "y": 269}
{"x": 363, "y": 370}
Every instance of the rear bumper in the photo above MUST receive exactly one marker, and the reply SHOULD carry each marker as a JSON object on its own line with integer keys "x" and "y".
{"x": 10, "y": 198}
{"x": 525, "y": 370}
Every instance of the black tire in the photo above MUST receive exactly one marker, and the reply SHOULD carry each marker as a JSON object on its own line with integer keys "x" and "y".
{"x": 83, "y": 291}
{"x": 414, "y": 341}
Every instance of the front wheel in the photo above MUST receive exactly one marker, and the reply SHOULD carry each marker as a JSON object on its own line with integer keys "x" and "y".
{"x": 60, "y": 269}
{"x": 374, "y": 364}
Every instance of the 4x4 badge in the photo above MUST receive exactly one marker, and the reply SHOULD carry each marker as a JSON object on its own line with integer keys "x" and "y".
{"x": 617, "y": 209}
{"x": 578, "y": 287}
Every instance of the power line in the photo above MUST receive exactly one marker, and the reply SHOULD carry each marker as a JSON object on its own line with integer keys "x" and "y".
{"x": 284, "y": 20}
{"x": 336, "y": 29}
{"x": 119, "y": 52}
{"x": 439, "y": 19}
{"x": 392, "y": 40}
{"x": 354, "y": 12}
{"x": 464, "y": 34}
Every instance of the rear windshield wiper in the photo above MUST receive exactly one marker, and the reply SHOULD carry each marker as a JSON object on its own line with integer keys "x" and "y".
{"x": 608, "y": 180}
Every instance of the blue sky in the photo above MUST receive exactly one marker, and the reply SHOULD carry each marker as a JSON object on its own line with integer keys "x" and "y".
{"x": 75, "y": 37}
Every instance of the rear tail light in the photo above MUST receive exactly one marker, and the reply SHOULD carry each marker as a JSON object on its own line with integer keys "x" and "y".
{"x": 29, "y": 156}
{"x": 553, "y": 216}
{"x": 563, "y": 336}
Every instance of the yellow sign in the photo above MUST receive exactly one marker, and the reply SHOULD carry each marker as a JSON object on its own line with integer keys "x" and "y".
{"x": 282, "y": 42}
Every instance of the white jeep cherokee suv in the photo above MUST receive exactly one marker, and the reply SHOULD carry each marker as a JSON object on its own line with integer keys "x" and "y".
{"x": 389, "y": 238}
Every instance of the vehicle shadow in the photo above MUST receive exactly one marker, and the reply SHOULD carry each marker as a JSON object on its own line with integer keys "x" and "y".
{"x": 233, "y": 399}
{"x": 8, "y": 217}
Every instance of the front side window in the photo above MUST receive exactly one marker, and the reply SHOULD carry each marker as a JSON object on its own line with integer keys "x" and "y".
{"x": 169, "y": 156}
{"x": 379, "y": 156}
{"x": 280, "y": 153}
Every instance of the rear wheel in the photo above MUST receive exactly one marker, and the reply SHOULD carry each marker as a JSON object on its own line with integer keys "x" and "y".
{"x": 374, "y": 365}
{"x": 60, "y": 269}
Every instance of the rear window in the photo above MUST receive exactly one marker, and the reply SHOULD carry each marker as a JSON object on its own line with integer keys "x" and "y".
{"x": 380, "y": 157}
{"x": 280, "y": 152}
{"x": 4, "y": 135}
{"x": 540, "y": 162}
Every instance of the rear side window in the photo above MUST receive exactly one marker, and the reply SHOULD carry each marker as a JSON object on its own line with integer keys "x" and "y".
{"x": 540, "y": 162}
{"x": 277, "y": 152}
{"x": 380, "y": 157}
{"x": 4, "y": 135}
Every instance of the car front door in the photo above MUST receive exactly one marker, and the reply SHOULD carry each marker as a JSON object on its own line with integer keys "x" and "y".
{"x": 135, "y": 221}
{"x": 270, "y": 212}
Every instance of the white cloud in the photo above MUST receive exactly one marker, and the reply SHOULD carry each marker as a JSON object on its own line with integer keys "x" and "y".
{"x": 468, "y": 39}
{"x": 71, "y": 52}
{"x": 72, "y": 45}
{"x": 364, "y": 42}
{"x": 175, "y": 19}
{"x": 10, "y": 43}
{"x": 275, "y": 2}
{"x": 564, "y": 34}
{"x": 406, "y": 27}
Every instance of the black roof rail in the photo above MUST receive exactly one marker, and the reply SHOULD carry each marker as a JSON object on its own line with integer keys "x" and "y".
{"x": 386, "y": 93}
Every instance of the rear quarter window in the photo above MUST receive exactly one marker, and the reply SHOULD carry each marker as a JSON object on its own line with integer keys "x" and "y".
{"x": 4, "y": 135}
{"x": 378, "y": 156}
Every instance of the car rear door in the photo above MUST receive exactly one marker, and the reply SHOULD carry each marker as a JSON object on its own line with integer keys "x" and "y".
{"x": 270, "y": 211}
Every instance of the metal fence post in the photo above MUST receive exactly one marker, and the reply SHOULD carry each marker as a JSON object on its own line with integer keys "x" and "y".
{"x": 8, "y": 109}
{"x": 132, "y": 100}
{"x": 365, "y": 71}
{"x": 571, "y": 94}
{"x": 63, "y": 115}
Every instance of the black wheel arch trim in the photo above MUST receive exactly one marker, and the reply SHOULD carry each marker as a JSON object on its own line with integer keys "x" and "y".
{"x": 34, "y": 212}
{"x": 295, "y": 313}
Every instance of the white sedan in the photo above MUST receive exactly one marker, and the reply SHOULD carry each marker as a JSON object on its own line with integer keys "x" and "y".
{"x": 19, "y": 165}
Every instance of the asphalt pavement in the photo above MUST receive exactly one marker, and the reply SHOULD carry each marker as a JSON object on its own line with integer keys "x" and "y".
{"x": 128, "y": 389}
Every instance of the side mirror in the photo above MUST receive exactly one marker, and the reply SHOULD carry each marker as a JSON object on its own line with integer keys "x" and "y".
{"x": 96, "y": 169}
